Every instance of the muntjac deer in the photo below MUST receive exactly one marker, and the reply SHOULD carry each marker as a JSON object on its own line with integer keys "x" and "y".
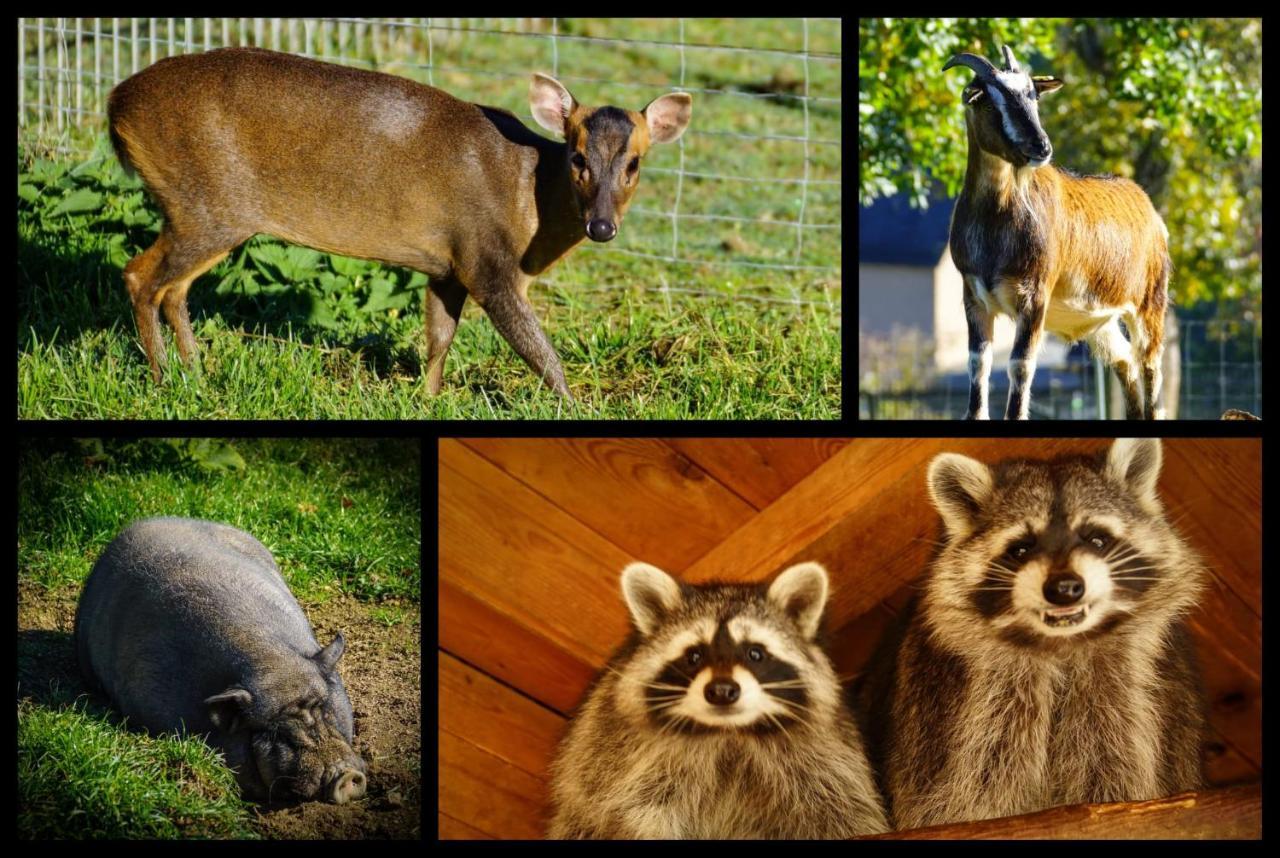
{"x": 241, "y": 141}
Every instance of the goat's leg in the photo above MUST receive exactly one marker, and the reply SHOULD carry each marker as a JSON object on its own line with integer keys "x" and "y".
{"x": 980, "y": 326}
{"x": 1032, "y": 304}
{"x": 1112, "y": 348}
{"x": 1149, "y": 347}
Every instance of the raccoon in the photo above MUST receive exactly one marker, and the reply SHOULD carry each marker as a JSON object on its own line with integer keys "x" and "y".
{"x": 1046, "y": 660}
{"x": 720, "y": 717}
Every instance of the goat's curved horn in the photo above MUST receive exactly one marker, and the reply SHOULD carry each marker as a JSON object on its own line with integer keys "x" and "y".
{"x": 1010, "y": 64}
{"x": 980, "y": 65}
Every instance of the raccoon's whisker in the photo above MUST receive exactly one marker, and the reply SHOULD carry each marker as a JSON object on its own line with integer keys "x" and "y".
{"x": 660, "y": 686}
{"x": 795, "y": 711}
{"x": 998, "y": 569}
{"x": 792, "y": 705}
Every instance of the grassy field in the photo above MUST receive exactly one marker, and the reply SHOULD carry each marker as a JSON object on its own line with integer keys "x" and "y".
{"x": 656, "y": 325}
{"x": 342, "y": 519}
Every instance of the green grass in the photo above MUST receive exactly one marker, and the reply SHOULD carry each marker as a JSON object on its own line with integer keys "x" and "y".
{"x": 342, "y": 513}
{"x": 80, "y": 776}
{"x": 288, "y": 332}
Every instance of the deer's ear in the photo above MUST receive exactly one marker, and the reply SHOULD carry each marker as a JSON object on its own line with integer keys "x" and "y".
{"x": 1045, "y": 84}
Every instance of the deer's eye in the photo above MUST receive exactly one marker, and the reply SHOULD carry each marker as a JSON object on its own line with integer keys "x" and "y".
{"x": 578, "y": 161}
{"x": 634, "y": 165}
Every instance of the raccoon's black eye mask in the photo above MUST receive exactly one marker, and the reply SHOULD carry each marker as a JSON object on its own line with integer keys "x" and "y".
{"x": 1021, "y": 547}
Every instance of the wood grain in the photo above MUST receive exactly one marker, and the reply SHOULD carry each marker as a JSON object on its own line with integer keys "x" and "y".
{"x": 495, "y": 718}
{"x": 760, "y": 470}
{"x": 505, "y": 649}
{"x": 485, "y": 793}
{"x": 1234, "y": 813}
{"x": 512, "y": 549}
{"x": 639, "y": 493}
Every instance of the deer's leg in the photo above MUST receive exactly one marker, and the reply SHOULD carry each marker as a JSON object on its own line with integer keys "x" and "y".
{"x": 445, "y": 297}
{"x": 511, "y": 314}
{"x": 1032, "y": 304}
{"x": 140, "y": 279}
{"x": 161, "y": 276}
{"x": 1120, "y": 354}
{"x": 174, "y": 303}
{"x": 980, "y": 325}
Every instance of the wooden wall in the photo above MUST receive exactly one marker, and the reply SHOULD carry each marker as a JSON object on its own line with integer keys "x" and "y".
{"x": 533, "y": 534}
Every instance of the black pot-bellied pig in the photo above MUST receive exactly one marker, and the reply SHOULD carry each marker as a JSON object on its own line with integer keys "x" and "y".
{"x": 188, "y": 623}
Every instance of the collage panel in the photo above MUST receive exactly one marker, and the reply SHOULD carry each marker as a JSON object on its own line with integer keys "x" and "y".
{"x": 218, "y": 638}
{"x": 849, "y": 637}
{"x": 1043, "y": 233}
{"x": 349, "y": 218}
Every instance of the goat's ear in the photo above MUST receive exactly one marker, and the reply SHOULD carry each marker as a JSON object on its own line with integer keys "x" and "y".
{"x": 1044, "y": 83}
{"x": 972, "y": 94}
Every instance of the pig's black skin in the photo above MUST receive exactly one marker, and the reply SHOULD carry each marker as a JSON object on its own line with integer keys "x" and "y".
{"x": 187, "y": 623}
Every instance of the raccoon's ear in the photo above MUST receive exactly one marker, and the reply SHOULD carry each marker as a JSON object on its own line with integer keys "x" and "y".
{"x": 650, "y": 593}
{"x": 1134, "y": 463}
{"x": 959, "y": 487}
{"x": 801, "y": 592}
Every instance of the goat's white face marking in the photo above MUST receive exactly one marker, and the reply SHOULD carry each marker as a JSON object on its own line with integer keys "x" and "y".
{"x": 1020, "y": 99}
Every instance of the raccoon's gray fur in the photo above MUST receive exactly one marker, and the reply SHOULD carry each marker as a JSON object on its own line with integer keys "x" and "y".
{"x": 720, "y": 717}
{"x": 1046, "y": 660}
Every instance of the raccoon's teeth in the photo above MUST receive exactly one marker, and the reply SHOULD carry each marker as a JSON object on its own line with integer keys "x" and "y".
{"x": 1059, "y": 617}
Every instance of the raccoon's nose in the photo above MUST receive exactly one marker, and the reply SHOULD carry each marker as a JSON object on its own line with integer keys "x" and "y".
{"x": 1064, "y": 588}
{"x": 722, "y": 692}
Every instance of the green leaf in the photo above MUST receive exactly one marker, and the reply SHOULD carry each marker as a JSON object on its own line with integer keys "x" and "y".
{"x": 82, "y": 200}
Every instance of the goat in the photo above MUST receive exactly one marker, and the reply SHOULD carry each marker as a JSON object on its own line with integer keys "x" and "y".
{"x": 1055, "y": 251}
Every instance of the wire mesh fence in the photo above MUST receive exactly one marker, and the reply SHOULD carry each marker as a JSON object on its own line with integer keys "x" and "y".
{"x": 751, "y": 193}
{"x": 1219, "y": 367}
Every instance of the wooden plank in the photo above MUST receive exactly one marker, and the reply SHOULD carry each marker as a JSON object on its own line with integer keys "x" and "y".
{"x": 674, "y": 510}
{"x": 488, "y": 794}
{"x": 1234, "y": 694}
{"x": 511, "y": 549}
{"x": 451, "y": 829}
{"x": 495, "y": 718}
{"x": 1234, "y": 813}
{"x": 758, "y": 469}
{"x": 1233, "y": 626}
{"x": 1212, "y": 489}
{"x": 503, "y": 648}
{"x": 1224, "y": 765}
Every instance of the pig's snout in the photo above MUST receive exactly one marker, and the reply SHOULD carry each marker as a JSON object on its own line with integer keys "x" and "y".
{"x": 348, "y": 786}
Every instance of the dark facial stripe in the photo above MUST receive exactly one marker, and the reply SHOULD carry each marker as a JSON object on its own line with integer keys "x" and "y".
{"x": 1135, "y": 575}
{"x": 993, "y": 596}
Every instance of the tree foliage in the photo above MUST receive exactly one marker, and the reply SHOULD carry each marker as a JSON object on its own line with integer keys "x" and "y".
{"x": 1175, "y": 104}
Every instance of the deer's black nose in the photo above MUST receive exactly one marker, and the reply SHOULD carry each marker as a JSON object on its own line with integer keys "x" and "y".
{"x": 600, "y": 229}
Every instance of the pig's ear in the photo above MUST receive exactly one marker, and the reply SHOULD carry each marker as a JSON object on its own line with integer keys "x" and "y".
{"x": 328, "y": 657}
{"x": 226, "y": 709}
